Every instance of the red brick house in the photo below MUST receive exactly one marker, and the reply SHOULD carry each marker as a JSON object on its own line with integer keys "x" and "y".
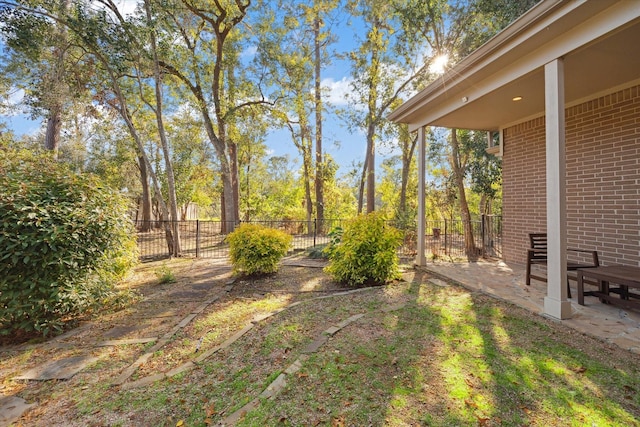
{"x": 561, "y": 88}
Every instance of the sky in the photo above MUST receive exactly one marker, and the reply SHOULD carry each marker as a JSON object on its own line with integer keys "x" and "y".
{"x": 345, "y": 147}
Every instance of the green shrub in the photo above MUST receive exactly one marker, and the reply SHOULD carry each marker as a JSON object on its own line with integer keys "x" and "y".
{"x": 165, "y": 274}
{"x": 254, "y": 249}
{"x": 65, "y": 241}
{"x": 366, "y": 252}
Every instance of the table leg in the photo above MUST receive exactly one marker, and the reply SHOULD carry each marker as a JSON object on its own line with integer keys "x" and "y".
{"x": 604, "y": 288}
{"x": 580, "y": 288}
{"x": 624, "y": 292}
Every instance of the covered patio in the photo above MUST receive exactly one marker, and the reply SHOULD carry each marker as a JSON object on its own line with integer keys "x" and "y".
{"x": 610, "y": 323}
{"x": 558, "y": 93}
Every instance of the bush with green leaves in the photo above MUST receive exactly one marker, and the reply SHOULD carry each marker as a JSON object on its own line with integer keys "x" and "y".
{"x": 366, "y": 252}
{"x": 254, "y": 249}
{"x": 65, "y": 242}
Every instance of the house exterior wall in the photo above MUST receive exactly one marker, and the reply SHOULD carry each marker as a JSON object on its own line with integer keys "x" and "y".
{"x": 603, "y": 179}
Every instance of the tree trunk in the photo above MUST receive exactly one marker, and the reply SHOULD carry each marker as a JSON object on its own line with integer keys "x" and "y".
{"x": 163, "y": 138}
{"x": 363, "y": 180}
{"x": 146, "y": 194}
{"x": 408, "y": 149}
{"x": 458, "y": 166}
{"x": 56, "y": 82}
{"x": 54, "y": 125}
{"x": 306, "y": 163}
{"x": 319, "y": 182}
{"x": 371, "y": 169}
{"x": 235, "y": 177}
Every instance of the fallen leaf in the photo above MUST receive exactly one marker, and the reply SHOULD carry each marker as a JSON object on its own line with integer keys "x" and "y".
{"x": 209, "y": 410}
{"x": 338, "y": 422}
{"x": 483, "y": 421}
{"x": 525, "y": 409}
{"x": 180, "y": 423}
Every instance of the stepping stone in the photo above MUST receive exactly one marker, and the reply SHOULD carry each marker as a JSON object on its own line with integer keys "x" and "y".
{"x": 439, "y": 282}
{"x": 120, "y": 331}
{"x": 12, "y": 408}
{"x": 126, "y": 342}
{"x": 62, "y": 369}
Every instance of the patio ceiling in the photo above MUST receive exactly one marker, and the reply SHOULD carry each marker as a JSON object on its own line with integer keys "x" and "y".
{"x": 600, "y": 44}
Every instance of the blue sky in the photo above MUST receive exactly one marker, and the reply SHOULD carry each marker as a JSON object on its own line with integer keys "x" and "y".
{"x": 345, "y": 147}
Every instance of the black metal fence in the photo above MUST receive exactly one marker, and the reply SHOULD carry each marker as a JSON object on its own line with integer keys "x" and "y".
{"x": 446, "y": 238}
{"x": 205, "y": 239}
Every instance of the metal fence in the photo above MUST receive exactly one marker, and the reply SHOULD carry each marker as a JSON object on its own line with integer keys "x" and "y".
{"x": 446, "y": 238}
{"x": 205, "y": 239}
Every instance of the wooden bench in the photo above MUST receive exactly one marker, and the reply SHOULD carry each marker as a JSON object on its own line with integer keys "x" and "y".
{"x": 537, "y": 255}
{"x": 623, "y": 275}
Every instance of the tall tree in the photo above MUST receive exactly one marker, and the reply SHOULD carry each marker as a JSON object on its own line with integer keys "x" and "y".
{"x": 384, "y": 68}
{"x": 295, "y": 44}
{"x": 158, "y": 111}
{"x": 44, "y": 61}
{"x": 205, "y": 60}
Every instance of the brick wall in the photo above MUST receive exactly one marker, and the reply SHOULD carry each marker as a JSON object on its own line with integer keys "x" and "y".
{"x": 603, "y": 179}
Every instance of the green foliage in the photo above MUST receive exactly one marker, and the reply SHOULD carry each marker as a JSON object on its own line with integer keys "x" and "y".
{"x": 65, "y": 241}
{"x": 254, "y": 249}
{"x": 165, "y": 275}
{"x": 365, "y": 252}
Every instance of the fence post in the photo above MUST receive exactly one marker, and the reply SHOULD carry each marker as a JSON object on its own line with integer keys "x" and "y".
{"x": 446, "y": 250}
{"x": 483, "y": 231}
{"x": 315, "y": 228}
{"x": 197, "y": 238}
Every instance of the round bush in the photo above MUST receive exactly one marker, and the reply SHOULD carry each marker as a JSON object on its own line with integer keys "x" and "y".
{"x": 66, "y": 240}
{"x": 366, "y": 252}
{"x": 254, "y": 249}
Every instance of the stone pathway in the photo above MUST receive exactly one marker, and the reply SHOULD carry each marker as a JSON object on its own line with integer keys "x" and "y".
{"x": 280, "y": 382}
{"x": 160, "y": 316}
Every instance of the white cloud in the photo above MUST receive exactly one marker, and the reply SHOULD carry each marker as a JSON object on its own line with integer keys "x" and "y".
{"x": 12, "y": 105}
{"x": 126, "y": 7}
{"x": 336, "y": 90}
{"x": 249, "y": 52}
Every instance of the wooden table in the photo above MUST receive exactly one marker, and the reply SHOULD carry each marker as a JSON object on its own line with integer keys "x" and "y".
{"x": 623, "y": 275}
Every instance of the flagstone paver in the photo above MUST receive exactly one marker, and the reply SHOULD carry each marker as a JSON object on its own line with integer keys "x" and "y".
{"x": 62, "y": 369}
{"x": 12, "y": 408}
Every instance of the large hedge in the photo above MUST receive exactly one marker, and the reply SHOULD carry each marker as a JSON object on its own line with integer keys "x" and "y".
{"x": 365, "y": 251}
{"x": 65, "y": 241}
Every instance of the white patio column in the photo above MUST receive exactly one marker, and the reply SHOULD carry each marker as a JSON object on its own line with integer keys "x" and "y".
{"x": 555, "y": 303}
{"x": 420, "y": 256}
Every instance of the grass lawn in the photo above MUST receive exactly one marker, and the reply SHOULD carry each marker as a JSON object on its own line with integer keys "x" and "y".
{"x": 421, "y": 354}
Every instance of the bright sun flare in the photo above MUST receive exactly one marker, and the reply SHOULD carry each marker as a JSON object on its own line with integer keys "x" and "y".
{"x": 439, "y": 63}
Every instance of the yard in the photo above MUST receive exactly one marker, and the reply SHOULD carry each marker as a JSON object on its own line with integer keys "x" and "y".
{"x": 297, "y": 349}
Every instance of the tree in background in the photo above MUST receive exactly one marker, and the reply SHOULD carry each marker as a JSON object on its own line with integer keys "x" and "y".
{"x": 452, "y": 29}
{"x": 385, "y": 67}
{"x": 45, "y": 61}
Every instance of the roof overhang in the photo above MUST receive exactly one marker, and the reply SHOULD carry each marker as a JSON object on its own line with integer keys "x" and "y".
{"x": 598, "y": 40}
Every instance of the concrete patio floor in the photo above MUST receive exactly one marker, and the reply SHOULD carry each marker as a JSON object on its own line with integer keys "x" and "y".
{"x": 613, "y": 324}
